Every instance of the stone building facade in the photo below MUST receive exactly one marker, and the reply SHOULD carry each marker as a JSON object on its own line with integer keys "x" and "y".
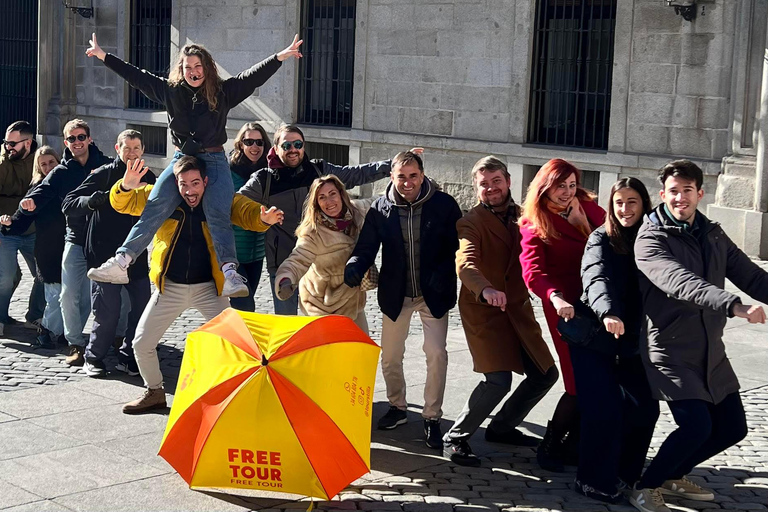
{"x": 455, "y": 76}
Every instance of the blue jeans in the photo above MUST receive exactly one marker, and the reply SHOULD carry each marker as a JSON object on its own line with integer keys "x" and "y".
{"x": 252, "y": 273}
{"x": 9, "y": 268}
{"x": 75, "y": 293}
{"x": 164, "y": 198}
{"x": 284, "y": 307}
{"x": 52, "y": 319}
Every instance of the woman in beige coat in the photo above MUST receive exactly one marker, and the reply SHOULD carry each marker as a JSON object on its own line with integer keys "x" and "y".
{"x": 327, "y": 234}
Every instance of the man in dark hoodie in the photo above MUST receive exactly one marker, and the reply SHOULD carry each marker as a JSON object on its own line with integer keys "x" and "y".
{"x": 285, "y": 184}
{"x": 16, "y": 161}
{"x": 106, "y": 231}
{"x": 81, "y": 156}
{"x": 415, "y": 224}
{"x": 684, "y": 259}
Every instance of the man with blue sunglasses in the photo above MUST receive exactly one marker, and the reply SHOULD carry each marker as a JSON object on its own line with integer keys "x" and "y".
{"x": 285, "y": 184}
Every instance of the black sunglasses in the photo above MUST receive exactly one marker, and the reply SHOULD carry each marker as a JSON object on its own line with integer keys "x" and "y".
{"x": 251, "y": 142}
{"x": 80, "y": 137}
{"x": 13, "y": 143}
{"x": 298, "y": 144}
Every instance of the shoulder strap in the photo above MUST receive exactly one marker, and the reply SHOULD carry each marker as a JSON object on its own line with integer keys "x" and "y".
{"x": 317, "y": 169}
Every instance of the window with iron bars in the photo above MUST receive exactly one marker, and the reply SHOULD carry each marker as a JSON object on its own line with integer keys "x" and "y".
{"x": 155, "y": 138}
{"x": 571, "y": 73}
{"x": 150, "y": 44}
{"x": 332, "y": 153}
{"x": 326, "y": 71}
{"x": 18, "y": 62}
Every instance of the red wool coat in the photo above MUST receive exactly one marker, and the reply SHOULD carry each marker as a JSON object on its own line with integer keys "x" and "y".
{"x": 556, "y": 266}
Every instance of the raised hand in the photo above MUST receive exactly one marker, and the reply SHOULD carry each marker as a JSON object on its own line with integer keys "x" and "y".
{"x": 495, "y": 297}
{"x": 95, "y": 50}
{"x": 272, "y": 216}
{"x": 292, "y": 50}
{"x": 614, "y": 325}
{"x": 134, "y": 171}
{"x": 5, "y": 220}
{"x": 28, "y": 204}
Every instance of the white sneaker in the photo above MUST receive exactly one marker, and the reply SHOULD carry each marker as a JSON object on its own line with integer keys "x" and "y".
{"x": 94, "y": 369}
{"x": 648, "y": 500}
{"x": 234, "y": 286}
{"x": 125, "y": 368}
{"x": 109, "y": 272}
{"x": 684, "y": 488}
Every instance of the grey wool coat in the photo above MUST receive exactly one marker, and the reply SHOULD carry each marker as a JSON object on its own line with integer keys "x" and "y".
{"x": 682, "y": 280}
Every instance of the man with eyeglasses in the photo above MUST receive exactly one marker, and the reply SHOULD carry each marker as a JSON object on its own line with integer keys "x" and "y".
{"x": 16, "y": 162}
{"x": 81, "y": 157}
{"x": 285, "y": 185}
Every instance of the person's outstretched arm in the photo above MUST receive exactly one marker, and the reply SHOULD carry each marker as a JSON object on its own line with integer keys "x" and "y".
{"x": 152, "y": 86}
{"x": 239, "y": 87}
{"x": 364, "y": 253}
{"x": 89, "y": 196}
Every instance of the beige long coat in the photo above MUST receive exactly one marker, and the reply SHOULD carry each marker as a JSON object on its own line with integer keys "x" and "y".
{"x": 317, "y": 264}
{"x": 489, "y": 255}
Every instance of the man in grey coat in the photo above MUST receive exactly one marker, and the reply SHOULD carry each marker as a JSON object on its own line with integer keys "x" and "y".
{"x": 285, "y": 184}
{"x": 684, "y": 259}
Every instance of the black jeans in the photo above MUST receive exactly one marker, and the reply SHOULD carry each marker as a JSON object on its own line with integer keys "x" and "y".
{"x": 618, "y": 415}
{"x": 105, "y": 300}
{"x": 703, "y": 430}
{"x": 252, "y": 273}
{"x": 488, "y": 393}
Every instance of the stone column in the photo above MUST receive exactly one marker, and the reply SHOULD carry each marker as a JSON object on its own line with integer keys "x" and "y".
{"x": 761, "y": 175}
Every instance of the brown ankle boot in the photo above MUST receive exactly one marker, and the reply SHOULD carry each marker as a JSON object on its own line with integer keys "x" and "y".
{"x": 151, "y": 399}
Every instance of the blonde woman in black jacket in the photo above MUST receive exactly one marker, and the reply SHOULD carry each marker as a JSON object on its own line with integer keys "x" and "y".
{"x": 618, "y": 414}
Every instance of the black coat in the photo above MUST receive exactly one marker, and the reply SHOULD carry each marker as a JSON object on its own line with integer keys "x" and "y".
{"x": 50, "y": 230}
{"x": 62, "y": 180}
{"x": 439, "y": 243}
{"x": 611, "y": 288}
{"x": 187, "y": 109}
{"x": 106, "y": 229}
{"x": 682, "y": 281}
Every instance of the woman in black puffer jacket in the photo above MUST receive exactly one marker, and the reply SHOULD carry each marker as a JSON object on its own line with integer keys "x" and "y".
{"x": 618, "y": 414}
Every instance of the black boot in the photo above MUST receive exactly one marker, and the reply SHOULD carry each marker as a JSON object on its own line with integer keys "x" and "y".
{"x": 571, "y": 447}
{"x": 550, "y": 452}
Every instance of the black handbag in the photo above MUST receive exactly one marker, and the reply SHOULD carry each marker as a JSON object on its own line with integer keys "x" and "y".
{"x": 586, "y": 331}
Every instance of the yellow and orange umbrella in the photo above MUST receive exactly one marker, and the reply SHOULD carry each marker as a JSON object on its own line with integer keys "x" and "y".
{"x": 274, "y": 403}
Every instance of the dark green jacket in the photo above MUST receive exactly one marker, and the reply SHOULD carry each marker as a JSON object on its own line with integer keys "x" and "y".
{"x": 249, "y": 244}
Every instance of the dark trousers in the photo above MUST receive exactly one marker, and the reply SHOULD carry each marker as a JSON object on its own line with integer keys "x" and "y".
{"x": 488, "y": 393}
{"x": 105, "y": 300}
{"x": 618, "y": 415}
{"x": 252, "y": 273}
{"x": 703, "y": 430}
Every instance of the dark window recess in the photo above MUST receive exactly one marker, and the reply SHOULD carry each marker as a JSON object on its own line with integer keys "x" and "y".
{"x": 571, "y": 73}
{"x": 326, "y": 71}
{"x": 331, "y": 153}
{"x": 18, "y": 62}
{"x": 155, "y": 138}
{"x": 150, "y": 44}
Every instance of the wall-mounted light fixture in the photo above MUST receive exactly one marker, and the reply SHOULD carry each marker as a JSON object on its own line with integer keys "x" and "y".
{"x": 685, "y": 9}
{"x": 82, "y": 7}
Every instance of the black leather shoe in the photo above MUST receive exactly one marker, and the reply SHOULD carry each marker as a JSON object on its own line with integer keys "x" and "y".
{"x": 432, "y": 434}
{"x": 514, "y": 437}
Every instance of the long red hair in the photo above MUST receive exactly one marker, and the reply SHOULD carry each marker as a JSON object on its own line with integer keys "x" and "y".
{"x": 535, "y": 210}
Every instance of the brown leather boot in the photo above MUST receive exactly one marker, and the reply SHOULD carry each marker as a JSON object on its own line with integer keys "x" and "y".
{"x": 151, "y": 399}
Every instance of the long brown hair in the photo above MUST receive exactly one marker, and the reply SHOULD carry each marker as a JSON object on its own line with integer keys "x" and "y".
{"x": 37, "y": 173}
{"x": 622, "y": 238}
{"x": 535, "y": 211}
{"x": 212, "y": 83}
{"x": 238, "y": 156}
{"x": 312, "y": 209}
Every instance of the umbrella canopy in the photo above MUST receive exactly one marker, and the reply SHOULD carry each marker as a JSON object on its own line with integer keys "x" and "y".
{"x": 274, "y": 403}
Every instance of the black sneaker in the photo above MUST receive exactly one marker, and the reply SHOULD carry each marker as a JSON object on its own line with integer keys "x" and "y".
{"x": 590, "y": 492}
{"x": 43, "y": 339}
{"x": 95, "y": 368}
{"x": 392, "y": 419}
{"x": 432, "y": 434}
{"x": 460, "y": 453}
{"x": 514, "y": 437}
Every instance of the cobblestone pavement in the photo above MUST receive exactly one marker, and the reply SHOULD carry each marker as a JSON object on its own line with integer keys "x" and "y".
{"x": 68, "y": 447}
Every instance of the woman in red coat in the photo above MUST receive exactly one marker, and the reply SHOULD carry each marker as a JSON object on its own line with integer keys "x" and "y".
{"x": 558, "y": 217}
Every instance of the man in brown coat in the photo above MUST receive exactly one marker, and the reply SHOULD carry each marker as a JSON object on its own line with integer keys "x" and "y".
{"x": 502, "y": 332}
